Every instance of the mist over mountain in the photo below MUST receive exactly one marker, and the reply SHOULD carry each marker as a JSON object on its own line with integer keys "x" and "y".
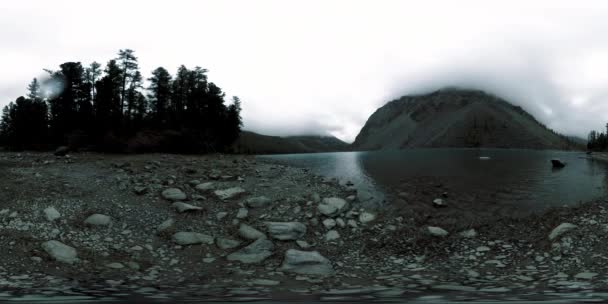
{"x": 456, "y": 118}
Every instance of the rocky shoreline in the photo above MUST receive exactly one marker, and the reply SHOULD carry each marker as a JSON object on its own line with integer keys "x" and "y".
{"x": 175, "y": 226}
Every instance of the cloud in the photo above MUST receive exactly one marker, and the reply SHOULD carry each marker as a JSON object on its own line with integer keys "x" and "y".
{"x": 303, "y": 67}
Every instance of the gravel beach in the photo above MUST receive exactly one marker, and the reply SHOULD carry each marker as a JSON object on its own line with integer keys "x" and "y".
{"x": 217, "y": 226}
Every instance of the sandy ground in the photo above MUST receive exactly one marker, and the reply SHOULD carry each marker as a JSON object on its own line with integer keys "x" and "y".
{"x": 365, "y": 254}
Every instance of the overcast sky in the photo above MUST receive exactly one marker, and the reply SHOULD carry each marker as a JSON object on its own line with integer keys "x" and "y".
{"x": 318, "y": 67}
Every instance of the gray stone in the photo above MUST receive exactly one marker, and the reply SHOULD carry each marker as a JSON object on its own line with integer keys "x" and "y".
{"x": 60, "y": 251}
{"x": 165, "y": 225}
{"x": 190, "y": 238}
{"x": 183, "y": 207}
{"x": 286, "y": 231}
{"x": 174, "y": 194}
{"x": 454, "y": 287}
{"x": 561, "y": 230}
{"x": 364, "y": 195}
{"x": 585, "y": 275}
{"x": 329, "y": 223}
{"x": 223, "y": 243}
{"x": 436, "y": 231}
{"x": 140, "y": 190}
{"x": 332, "y": 235}
{"x": 98, "y": 220}
{"x": 229, "y": 193}
{"x": 471, "y": 233}
{"x": 366, "y": 217}
{"x": 258, "y": 202}
{"x": 51, "y": 214}
{"x": 439, "y": 203}
{"x": 133, "y": 265}
{"x": 115, "y": 265}
{"x": 249, "y": 233}
{"x": 482, "y": 249}
{"x": 265, "y": 282}
{"x": 306, "y": 262}
{"x": 340, "y": 222}
{"x": 205, "y": 186}
{"x": 303, "y": 244}
{"x": 332, "y": 206}
{"x": 255, "y": 252}
{"x": 242, "y": 213}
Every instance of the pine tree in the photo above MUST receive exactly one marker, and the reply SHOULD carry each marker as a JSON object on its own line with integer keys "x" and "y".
{"x": 71, "y": 108}
{"x": 128, "y": 64}
{"x": 133, "y": 95}
{"x": 180, "y": 90}
{"x": 107, "y": 100}
{"x": 160, "y": 95}
{"x": 34, "y": 90}
{"x": 93, "y": 72}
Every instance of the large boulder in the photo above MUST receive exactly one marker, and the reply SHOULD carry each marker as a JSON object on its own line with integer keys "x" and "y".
{"x": 60, "y": 251}
{"x": 332, "y": 206}
{"x": 258, "y": 202}
{"x": 255, "y": 252}
{"x": 306, "y": 262}
{"x": 174, "y": 194}
{"x": 561, "y": 230}
{"x": 229, "y": 193}
{"x": 98, "y": 220}
{"x": 286, "y": 231}
{"x": 191, "y": 238}
{"x": 249, "y": 233}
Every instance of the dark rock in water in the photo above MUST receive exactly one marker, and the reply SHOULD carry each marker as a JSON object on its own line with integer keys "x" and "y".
{"x": 557, "y": 163}
{"x": 61, "y": 151}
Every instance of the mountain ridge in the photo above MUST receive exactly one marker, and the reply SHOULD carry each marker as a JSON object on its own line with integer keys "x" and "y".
{"x": 254, "y": 143}
{"x": 453, "y": 118}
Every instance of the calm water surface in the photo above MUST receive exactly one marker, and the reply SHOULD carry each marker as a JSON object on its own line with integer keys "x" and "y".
{"x": 523, "y": 177}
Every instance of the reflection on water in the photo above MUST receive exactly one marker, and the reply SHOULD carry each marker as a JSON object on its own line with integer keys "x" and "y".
{"x": 522, "y": 177}
{"x": 342, "y": 165}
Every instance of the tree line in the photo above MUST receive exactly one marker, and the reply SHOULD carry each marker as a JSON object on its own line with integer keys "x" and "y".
{"x": 109, "y": 109}
{"x": 597, "y": 141}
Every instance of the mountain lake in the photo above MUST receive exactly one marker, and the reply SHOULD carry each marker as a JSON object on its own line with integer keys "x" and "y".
{"x": 523, "y": 180}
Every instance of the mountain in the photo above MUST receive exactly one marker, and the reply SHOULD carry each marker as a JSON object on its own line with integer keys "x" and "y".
{"x": 254, "y": 143}
{"x": 456, "y": 118}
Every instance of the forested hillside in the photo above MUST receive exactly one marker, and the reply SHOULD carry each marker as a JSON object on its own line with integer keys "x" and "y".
{"x": 112, "y": 108}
